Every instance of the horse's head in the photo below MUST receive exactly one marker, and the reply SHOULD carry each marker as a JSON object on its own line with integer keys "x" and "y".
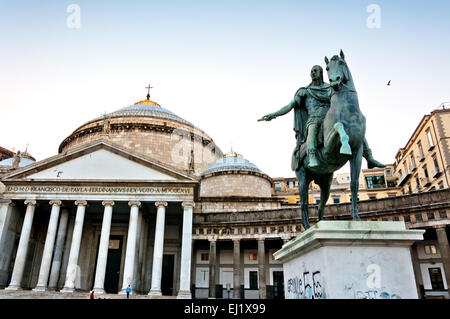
{"x": 337, "y": 70}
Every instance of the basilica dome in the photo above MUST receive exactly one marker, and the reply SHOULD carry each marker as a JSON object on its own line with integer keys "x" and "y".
{"x": 233, "y": 175}
{"x": 151, "y": 130}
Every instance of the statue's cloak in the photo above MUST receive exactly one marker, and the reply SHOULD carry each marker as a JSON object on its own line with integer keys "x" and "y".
{"x": 322, "y": 94}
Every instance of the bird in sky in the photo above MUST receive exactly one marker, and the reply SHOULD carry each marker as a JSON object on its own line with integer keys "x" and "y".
{"x": 389, "y": 83}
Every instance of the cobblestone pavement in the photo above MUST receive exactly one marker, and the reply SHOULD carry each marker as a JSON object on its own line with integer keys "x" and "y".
{"x": 29, "y": 294}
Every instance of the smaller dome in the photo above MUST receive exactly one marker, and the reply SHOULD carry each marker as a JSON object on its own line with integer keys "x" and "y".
{"x": 232, "y": 161}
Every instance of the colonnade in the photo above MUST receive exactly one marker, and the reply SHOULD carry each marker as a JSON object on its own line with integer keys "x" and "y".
{"x": 54, "y": 244}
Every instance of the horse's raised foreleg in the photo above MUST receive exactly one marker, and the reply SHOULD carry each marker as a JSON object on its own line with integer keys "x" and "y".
{"x": 355, "y": 167}
{"x": 325, "y": 185}
{"x": 345, "y": 147}
{"x": 303, "y": 184}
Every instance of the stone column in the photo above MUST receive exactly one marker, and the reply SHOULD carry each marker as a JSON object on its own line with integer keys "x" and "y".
{"x": 158, "y": 249}
{"x": 131, "y": 246}
{"x": 186, "y": 252}
{"x": 444, "y": 249}
{"x": 212, "y": 268}
{"x": 57, "y": 255}
{"x": 102, "y": 257}
{"x": 236, "y": 269}
{"x": 22, "y": 249}
{"x": 416, "y": 269}
{"x": 5, "y": 206}
{"x": 262, "y": 269}
{"x": 48, "y": 248}
{"x": 72, "y": 267}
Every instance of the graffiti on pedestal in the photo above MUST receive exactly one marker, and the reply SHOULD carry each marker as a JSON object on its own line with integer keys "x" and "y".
{"x": 308, "y": 286}
{"x": 375, "y": 294}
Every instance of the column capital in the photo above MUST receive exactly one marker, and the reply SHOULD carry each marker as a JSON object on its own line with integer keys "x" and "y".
{"x": 56, "y": 202}
{"x": 31, "y": 202}
{"x": 188, "y": 204}
{"x": 134, "y": 203}
{"x": 108, "y": 203}
{"x": 81, "y": 203}
{"x": 158, "y": 204}
{"x": 6, "y": 202}
{"x": 213, "y": 240}
{"x": 236, "y": 240}
{"x": 443, "y": 226}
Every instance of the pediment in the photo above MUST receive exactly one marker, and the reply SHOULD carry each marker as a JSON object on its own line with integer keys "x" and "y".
{"x": 99, "y": 161}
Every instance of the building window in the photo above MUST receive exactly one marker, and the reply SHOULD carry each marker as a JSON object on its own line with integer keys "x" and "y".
{"x": 418, "y": 217}
{"x": 419, "y": 145}
{"x": 216, "y": 231}
{"x": 384, "y": 219}
{"x": 437, "y": 283}
{"x": 291, "y": 184}
{"x": 255, "y": 230}
{"x": 264, "y": 230}
{"x": 277, "y": 186}
{"x": 409, "y": 189}
{"x": 281, "y": 229}
{"x": 375, "y": 182}
{"x": 232, "y": 231}
{"x": 289, "y": 228}
{"x": 436, "y": 165}
{"x": 252, "y": 256}
{"x": 200, "y": 231}
{"x": 247, "y": 230}
{"x": 317, "y": 201}
{"x": 441, "y": 185}
{"x": 388, "y": 172}
{"x": 413, "y": 162}
{"x": 204, "y": 256}
{"x": 396, "y": 218}
{"x": 272, "y": 229}
{"x": 239, "y": 230}
{"x": 430, "y": 216}
{"x": 208, "y": 231}
{"x": 253, "y": 276}
{"x": 417, "y": 181}
{"x": 336, "y": 200}
{"x": 407, "y": 219}
{"x": 430, "y": 138}
{"x": 298, "y": 228}
{"x": 430, "y": 250}
{"x": 443, "y": 214}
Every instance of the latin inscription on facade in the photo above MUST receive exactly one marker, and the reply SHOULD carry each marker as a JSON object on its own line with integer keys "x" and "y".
{"x": 99, "y": 190}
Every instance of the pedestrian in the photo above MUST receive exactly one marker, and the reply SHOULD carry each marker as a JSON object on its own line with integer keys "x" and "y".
{"x": 128, "y": 290}
{"x": 91, "y": 295}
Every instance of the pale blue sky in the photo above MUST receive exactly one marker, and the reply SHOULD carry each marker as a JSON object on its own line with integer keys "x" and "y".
{"x": 219, "y": 64}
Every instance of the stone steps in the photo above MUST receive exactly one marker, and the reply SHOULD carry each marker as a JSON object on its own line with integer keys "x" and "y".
{"x": 29, "y": 294}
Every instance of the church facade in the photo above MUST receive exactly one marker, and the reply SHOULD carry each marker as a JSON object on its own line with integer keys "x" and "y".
{"x": 142, "y": 198}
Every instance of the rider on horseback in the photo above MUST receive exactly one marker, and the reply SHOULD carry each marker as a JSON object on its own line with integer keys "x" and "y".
{"x": 310, "y": 105}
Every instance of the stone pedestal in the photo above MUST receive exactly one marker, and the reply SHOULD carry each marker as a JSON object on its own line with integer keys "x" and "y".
{"x": 350, "y": 260}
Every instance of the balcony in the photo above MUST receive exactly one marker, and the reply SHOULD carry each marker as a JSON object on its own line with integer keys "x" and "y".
{"x": 422, "y": 158}
{"x": 403, "y": 178}
{"x": 437, "y": 172}
{"x": 426, "y": 181}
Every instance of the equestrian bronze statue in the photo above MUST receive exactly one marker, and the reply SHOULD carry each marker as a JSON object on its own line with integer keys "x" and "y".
{"x": 330, "y": 130}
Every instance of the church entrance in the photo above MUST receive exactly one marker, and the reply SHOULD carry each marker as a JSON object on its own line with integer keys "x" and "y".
{"x": 113, "y": 264}
{"x": 167, "y": 275}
